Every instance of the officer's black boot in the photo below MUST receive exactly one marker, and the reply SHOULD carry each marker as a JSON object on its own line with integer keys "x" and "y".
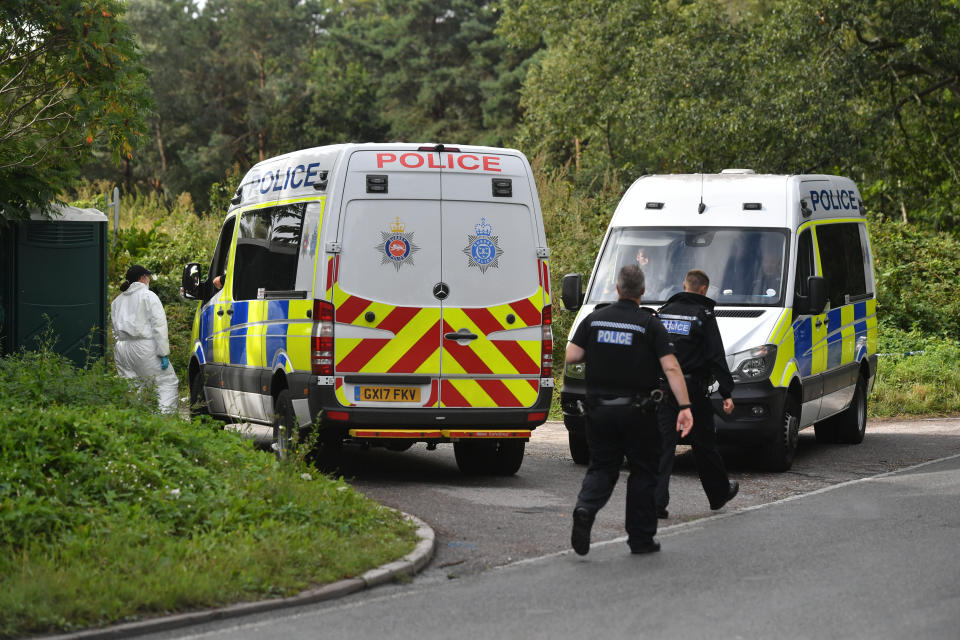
{"x": 580, "y": 537}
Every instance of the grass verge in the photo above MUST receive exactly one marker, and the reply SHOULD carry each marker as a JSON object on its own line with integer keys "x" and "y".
{"x": 109, "y": 512}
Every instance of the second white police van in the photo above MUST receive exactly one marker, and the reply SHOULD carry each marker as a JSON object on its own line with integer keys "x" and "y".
{"x": 792, "y": 275}
{"x": 383, "y": 294}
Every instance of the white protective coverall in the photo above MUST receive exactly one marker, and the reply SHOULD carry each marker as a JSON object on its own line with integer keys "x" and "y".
{"x": 140, "y": 328}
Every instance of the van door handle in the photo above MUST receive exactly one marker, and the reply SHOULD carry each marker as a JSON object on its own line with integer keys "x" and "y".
{"x": 230, "y": 311}
{"x": 220, "y": 311}
{"x": 462, "y": 334}
{"x": 820, "y": 323}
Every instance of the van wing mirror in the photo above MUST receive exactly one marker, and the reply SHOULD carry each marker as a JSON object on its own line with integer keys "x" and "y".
{"x": 815, "y": 301}
{"x": 571, "y": 291}
{"x": 817, "y": 287}
{"x": 190, "y": 281}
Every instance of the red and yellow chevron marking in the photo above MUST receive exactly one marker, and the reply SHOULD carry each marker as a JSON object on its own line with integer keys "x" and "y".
{"x": 489, "y": 392}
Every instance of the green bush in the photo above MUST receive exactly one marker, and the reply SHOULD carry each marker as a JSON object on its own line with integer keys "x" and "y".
{"x": 95, "y": 487}
{"x": 917, "y": 275}
{"x": 917, "y": 375}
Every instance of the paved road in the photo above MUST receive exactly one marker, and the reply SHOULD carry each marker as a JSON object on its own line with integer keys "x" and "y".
{"x": 488, "y": 522}
{"x": 868, "y": 558}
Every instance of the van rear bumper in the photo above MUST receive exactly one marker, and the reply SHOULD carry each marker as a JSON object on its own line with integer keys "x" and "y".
{"x": 323, "y": 403}
{"x": 757, "y": 416}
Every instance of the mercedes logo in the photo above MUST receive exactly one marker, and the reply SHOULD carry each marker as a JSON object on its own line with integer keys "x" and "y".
{"x": 441, "y": 291}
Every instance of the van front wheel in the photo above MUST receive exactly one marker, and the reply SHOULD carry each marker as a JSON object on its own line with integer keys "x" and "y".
{"x": 779, "y": 454}
{"x": 284, "y": 425}
{"x": 579, "y": 450}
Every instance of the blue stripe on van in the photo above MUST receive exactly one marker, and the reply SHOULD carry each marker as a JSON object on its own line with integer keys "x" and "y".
{"x": 803, "y": 345}
{"x": 238, "y": 337}
{"x": 276, "y": 331}
{"x": 860, "y": 310}
{"x": 206, "y": 326}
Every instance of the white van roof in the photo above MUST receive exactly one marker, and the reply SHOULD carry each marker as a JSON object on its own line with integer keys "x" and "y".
{"x": 734, "y": 198}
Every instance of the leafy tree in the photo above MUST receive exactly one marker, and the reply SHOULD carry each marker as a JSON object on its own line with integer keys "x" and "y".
{"x": 855, "y": 86}
{"x": 70, "y": 76}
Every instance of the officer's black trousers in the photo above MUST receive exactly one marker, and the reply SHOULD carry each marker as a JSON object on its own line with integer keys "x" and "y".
{"x": 710, "y": 467}
{"x": 612, "y": 433}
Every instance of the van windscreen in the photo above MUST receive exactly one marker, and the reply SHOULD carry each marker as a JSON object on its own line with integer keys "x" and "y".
{"x": 745, "y": 266}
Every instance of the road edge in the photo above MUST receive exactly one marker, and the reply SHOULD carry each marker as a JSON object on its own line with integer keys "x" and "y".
{"x": 408, "y": 565}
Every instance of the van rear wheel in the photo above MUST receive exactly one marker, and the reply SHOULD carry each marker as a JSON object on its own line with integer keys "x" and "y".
{"x": 851, "y": 425}
{"x": 489, "y": 457}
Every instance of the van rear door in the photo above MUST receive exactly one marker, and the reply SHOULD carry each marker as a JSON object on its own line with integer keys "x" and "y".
{"x": 388, "y": 331}
{"x": 492, "y": 313}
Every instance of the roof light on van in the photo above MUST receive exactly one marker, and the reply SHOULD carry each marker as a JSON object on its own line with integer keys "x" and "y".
{"x": 752, "y": 206}
{"x": 654, "y": 205}
{"x": 738, "y": 171}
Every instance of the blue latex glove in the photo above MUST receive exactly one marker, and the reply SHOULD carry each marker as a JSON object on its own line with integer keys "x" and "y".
{"x": 164, "y": 362}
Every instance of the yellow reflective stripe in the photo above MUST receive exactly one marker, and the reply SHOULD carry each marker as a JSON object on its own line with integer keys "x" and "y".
{"x": 256, "y": 329}
{"x": 872, "y": 326}
{"x": 848, "y": 334}
{"x": 277, "y": 203}
{"x": 299, "y": 332}
{"x": 782, "y": 336}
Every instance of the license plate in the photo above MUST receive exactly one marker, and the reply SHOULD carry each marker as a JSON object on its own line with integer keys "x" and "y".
{"x": 386, "y": 394}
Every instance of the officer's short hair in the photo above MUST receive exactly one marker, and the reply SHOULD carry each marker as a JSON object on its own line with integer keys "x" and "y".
{"x": 631, "y": 282}
{"x": 696, "y": 279}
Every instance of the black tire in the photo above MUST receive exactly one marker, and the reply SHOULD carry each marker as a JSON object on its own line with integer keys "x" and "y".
{"x": 198, "y": 402}
{"x": 779, "y": 454}
{"x": 579, "y": 450}
{"x": 507, "y": 456}
{"x": 471, "y": 456}
{"x": 851, "y": 425}
{"x": 489, "y": 457}
{"x": 826, "y": 430}
{"x": 284, "y": 425}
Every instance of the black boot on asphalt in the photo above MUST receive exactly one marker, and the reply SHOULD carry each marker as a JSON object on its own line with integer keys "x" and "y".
{"x": 734, "y": 489}
{"x": 647, "y": 546}
{"x": 580, "y": 537}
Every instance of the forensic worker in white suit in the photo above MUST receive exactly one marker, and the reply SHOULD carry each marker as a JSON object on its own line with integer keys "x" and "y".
{"x": 140, "y": 327}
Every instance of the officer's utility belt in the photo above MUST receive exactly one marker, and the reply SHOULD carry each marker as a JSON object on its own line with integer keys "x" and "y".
{"x": 643, "y": 401}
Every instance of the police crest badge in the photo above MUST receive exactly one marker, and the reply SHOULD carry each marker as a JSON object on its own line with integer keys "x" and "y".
{"x": 483, "y": 249}
{"x": 396, "y": 246}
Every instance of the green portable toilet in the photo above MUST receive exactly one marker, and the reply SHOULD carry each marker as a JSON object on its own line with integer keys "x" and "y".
{"x": 55, "y": 268}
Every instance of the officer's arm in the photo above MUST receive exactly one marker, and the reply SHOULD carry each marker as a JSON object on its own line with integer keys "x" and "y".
{"x": 717, "y": 358}
{"x": 575, "y": 353}
{"x": 671, "y": 369}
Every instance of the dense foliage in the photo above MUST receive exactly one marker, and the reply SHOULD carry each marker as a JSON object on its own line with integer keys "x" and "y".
{"x": 70, "y": 79}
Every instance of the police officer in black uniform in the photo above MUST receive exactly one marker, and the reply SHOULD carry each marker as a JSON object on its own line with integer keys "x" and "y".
{"x": 625, "y": 349}
{"x": 688, "y": 318}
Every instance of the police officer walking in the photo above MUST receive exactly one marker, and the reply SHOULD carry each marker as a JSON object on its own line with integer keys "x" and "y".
{"x": 688, "y": 318}
{"x": 625, "y": 348}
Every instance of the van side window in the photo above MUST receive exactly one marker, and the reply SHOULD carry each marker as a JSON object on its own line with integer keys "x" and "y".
{"x": 843, "y": 261}
{"x": 218, "y": 264}
{"x": 805, "y": 263}
{"x": 268, "y": 245}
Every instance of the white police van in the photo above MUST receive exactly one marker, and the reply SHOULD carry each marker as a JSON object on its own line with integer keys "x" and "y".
{"x": 792, "y": 274}
{"x": 384, "y": 294}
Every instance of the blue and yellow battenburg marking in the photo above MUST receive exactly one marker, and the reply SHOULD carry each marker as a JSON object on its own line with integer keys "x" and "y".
{"x": 848, "y": 335}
